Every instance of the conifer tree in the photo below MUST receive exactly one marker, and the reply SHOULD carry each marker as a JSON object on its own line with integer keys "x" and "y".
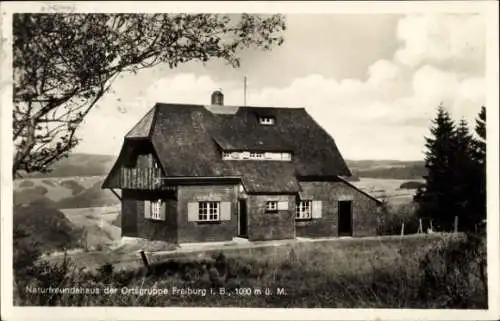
{"x": 465, "y": 178}
{"x": 436, "y": 198}
{"x": 478, "y": 198}
{"x": 480, "y": 140}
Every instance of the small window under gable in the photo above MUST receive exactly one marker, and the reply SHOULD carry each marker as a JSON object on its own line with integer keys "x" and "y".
{"x": 266, "y": 120}
{"x": 261, "y": 156}
{"x": 256, "y": 155}
{"x": 271, "y": 206}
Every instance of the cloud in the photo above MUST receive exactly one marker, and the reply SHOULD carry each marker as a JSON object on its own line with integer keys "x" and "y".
{"x": 460, "y": 93}
{"x": 457, "y": 41}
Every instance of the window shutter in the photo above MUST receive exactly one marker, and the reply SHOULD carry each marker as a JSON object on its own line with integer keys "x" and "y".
{"x": 316, "y": 209}
{"x": 163, "y": 210}
{"x": 225, "y": 211}
{"x": 193, "y": 211}
{"x": 147, "y": 209}
{"x": 282, "y": 205}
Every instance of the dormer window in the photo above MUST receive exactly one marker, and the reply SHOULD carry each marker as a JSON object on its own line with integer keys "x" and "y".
{"x": 265, "y": 120}
{"x": 247, "y": 155}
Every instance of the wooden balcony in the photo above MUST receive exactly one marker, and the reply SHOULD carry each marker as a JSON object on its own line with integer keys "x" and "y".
{"x": 141, "y": 178}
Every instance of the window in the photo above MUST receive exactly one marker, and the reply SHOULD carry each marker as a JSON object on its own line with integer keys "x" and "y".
{"x": 266, "y": 120}
{"x": 154, "y": 210}
{"x": 255, "y": 155}
{"x": 271, "y": 206}
{"x": 208, "y": 211}
{"x": 303, "y": 209}
{"x": 247, "y": 155}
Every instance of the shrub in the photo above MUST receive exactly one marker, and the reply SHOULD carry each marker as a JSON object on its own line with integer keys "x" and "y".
{"x": 26, "y": 183}
{"x": 106, "y": 270}
{"x": 93, "y": 196}
{"x": 454, "y": 274}
{"x": 28, "y": 195}
{"x": 73, "y": 186}
{"x": 45, "y": 225}
{"x": 48, "y": 182}
{"x": 29, "y": 270}
{"x": 411, "y": 185}
{"x": 393, "y": 216}
{"x": 25, "y": 254}
{"x": 52, "y": 275}
{"x": 25, "y": 249}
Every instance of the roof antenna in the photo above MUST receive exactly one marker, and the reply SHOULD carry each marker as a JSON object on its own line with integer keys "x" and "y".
{"x": 245, "y": 91}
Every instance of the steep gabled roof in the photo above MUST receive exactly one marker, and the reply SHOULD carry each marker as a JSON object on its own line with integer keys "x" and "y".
{"x": 143, "y": 127}
{"x": 189, "y": 139}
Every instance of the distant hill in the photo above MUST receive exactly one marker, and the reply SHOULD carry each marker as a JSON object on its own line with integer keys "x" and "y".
{"x": 80, "y": 165}
{"x": 388, "y": 169}
{"x": 93, "y": 196}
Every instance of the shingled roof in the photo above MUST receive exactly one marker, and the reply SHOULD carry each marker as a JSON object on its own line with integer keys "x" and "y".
{"x": 189, "y": 140}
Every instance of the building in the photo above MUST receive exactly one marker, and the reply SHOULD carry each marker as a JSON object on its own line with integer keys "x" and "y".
{"x": 194, "y": 173}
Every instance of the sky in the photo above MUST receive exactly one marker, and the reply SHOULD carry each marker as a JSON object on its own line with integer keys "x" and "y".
{"x": 372, "y": 81}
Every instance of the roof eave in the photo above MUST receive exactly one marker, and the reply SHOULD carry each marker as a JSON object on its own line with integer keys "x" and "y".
{"x": 360, "y": 190}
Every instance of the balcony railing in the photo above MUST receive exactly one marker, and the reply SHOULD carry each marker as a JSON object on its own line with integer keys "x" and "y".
{"x": 141, "y": 178}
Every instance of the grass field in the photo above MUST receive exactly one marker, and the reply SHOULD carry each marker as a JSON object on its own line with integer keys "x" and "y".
{"x": 97, "y": 224}
{"x": 413, "y": 272}
{"x": 387, "y": 189}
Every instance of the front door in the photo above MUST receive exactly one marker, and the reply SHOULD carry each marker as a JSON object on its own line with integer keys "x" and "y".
{"x": 345, "y": 218}
{"x": 242, "y": 219}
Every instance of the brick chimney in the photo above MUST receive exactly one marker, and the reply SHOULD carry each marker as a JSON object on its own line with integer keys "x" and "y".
{"x": 217, "y": 98}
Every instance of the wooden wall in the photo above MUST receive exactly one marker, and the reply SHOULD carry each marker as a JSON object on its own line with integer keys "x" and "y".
{"x": 364, "y": 210}
{"x": 206, "y": 231}
{"x": 270, "y": 226}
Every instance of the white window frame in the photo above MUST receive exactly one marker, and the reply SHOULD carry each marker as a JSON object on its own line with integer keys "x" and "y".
{"x": 262, "y": 156}
{"x": 256, "y": 155}
{"x": 209, "y": 211}
{"x": 303, "y": 209}
{"x": 271, "y": 206}
{"x": 266, "y": 120}
{"x": 155, "y": 208}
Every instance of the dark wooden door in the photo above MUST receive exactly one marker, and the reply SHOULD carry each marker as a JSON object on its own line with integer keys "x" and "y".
{"x": 345, "y": 218}
{"x": 243, "y": 219}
